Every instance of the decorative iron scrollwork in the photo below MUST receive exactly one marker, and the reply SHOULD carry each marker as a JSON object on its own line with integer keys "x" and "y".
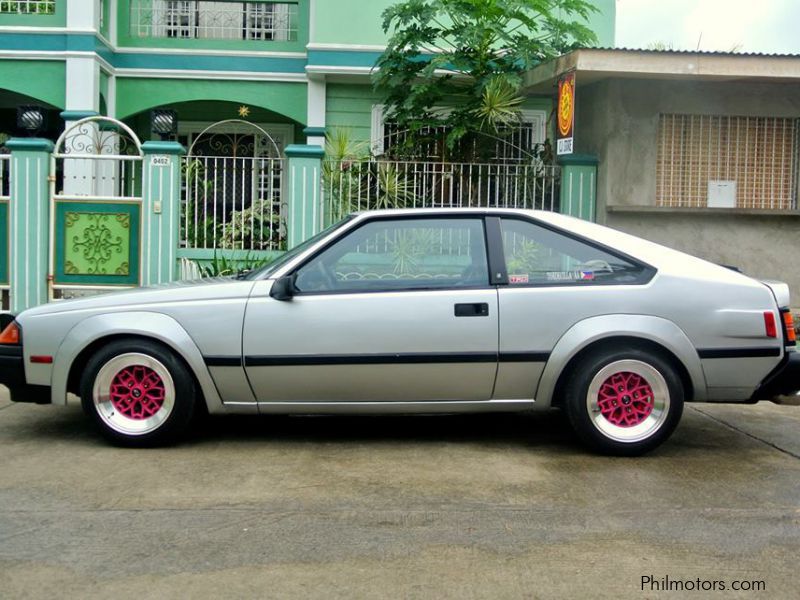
{"x": 92, "y": 138}
{"x": 234, "y": 138}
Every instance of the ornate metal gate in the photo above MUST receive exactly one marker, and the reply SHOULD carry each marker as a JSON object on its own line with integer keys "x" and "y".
{"x": 95, "y": 209}
{"x": 232, "y": 181}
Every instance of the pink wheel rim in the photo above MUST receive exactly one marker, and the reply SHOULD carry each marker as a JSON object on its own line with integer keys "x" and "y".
{"x": 137, "y": 392}
{"x": 625, "y": 399}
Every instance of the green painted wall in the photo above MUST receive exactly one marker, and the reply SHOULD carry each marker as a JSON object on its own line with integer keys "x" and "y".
{"x": 41, "y": 79}
{"x": 104, "y": 92}
{"x": 362, "y": 24}
{"x": 604, "y": 22}
{"x": 212, "y": 111}
{"x": 349, "y": 106}
{"x": 137, "y": 95}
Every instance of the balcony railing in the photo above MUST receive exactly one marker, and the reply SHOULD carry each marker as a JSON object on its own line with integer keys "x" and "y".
{"x": 28, "y": 7}
{"x": 213, "y": 20}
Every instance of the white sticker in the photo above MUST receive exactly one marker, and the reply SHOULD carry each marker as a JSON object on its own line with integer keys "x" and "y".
{"x": 159, "y": 160}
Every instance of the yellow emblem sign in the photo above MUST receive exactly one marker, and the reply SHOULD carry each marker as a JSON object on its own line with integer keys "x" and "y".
{"x": 566, "y": 107}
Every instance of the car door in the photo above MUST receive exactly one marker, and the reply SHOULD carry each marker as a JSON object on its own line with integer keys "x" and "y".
{"x": 554, "y": 280}
{"x": 398, "y": 309}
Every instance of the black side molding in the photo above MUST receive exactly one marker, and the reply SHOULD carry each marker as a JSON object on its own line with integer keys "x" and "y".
{"x": 370, "y": 359}
{"x": 299, "y": 360}
{"x": 223, "y": 361}
{"x": 524, "y": 356}
{"x": 738, "y": 352}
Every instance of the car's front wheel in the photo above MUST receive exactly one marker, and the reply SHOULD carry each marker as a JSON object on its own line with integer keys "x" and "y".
{"x": 138, "y": 393}
{"x": 623, "y": 401}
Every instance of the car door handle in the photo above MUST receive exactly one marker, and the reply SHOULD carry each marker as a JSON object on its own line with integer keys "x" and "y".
{"x": 472, "y": 309}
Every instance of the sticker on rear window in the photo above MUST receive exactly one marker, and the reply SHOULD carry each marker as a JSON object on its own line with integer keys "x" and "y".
{"x": 518, "y": 278}
{"x": 569, "y": 275}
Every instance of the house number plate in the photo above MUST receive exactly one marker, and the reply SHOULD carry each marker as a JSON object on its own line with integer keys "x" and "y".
{"x": 159, "y": 161}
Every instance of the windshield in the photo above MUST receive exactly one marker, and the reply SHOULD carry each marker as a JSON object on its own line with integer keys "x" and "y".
{"x": 268, "y": 269}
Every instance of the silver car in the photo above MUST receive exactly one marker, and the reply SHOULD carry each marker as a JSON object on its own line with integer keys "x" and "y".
{"x": 423, "y": 311}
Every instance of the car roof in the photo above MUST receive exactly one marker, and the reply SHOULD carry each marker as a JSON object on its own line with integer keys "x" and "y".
{"x": 662, "y": 257}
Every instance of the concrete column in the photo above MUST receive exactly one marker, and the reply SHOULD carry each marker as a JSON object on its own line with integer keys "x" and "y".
{"x": 112, "y": 22}
{"x": 305, "y": 215}
{"x": 83, "y": 14}
{"x": 316, "y": 118}
{"x": 29, "y": 221}
{"x": 579, "y": 186}
{"x": 161, "y": 211}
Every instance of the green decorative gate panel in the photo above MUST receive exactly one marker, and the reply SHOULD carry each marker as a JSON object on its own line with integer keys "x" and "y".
{"x": 97, "y": 243}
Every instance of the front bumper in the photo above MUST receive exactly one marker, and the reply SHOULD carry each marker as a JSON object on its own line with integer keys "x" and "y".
{"x": 783, "y": 381}
{"x": 12, "y": 375}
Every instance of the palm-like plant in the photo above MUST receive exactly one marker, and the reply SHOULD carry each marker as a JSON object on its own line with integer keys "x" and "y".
{"x": 392, "y": 189}
{"x": 499, "y": 107}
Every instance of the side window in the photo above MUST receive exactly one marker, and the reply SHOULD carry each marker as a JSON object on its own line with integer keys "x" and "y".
{"x": 537, "y": 255}
{"x": 399, "y": 255}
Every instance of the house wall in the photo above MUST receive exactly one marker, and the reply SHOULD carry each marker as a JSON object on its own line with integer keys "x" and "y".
{"x": 42, "y": 80}
{"x": 349, "y": 106}
{"x": 617, "y": 121}
{"x": 363, "y": 23}
{"x": 137, "y": 95}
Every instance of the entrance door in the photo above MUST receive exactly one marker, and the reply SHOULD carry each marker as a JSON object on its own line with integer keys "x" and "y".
{"x": 400, "y": 309}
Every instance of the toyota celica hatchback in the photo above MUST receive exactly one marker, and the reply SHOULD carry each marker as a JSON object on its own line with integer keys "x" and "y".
{"x": 422, "y": 311}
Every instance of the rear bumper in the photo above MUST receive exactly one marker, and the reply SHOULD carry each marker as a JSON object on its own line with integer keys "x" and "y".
{"x": 12, "y": 368}
{"x": 12, "y": 375}
{"x": 783, "y": 381}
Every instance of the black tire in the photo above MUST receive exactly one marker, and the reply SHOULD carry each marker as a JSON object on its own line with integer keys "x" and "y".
{"x": 138, "y": 393}
{"x": 623, "y": 402}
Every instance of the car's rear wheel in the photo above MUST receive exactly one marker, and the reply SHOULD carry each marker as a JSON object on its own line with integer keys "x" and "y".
{"x": 138, "y": 393}
{"x": 623, "y": 401}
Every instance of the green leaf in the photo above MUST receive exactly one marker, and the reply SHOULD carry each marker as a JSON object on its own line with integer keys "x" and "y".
{"x": 469, "y": 54}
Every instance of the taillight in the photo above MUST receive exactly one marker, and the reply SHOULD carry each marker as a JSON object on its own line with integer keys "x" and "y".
{"x": 10, "y": 334}
{"x": 788, "y": 327}
{"x": 770, "y": 327}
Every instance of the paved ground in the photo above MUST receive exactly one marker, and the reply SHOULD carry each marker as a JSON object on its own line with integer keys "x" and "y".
{"x": 423, "y": 507}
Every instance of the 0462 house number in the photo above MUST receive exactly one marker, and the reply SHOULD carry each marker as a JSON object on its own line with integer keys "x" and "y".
{"x": 159, "y": 161}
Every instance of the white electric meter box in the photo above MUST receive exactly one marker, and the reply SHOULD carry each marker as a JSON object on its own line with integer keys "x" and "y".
{"x": 721, "y": 194}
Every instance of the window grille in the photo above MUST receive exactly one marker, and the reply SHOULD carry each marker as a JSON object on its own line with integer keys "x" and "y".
{"x": 207, "y": 19}
{"x": 520, "y": 144}
{"x": 180, "y": 19}
{"x": 758, "y": 155}
{"x": 28, "y": 7}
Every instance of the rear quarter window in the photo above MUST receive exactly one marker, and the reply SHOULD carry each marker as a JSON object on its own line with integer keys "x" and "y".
{"x": 537, "y": 255}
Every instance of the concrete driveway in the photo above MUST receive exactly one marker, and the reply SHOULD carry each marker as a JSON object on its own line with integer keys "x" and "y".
{"x": 409, "y": 507}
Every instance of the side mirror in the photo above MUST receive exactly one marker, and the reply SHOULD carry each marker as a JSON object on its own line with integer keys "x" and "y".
{"x": 283, "y": 289}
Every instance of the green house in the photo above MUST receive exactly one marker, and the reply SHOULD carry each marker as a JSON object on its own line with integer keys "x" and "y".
{"x": 91, "y": 89}
{"x": 285, "y": 66}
